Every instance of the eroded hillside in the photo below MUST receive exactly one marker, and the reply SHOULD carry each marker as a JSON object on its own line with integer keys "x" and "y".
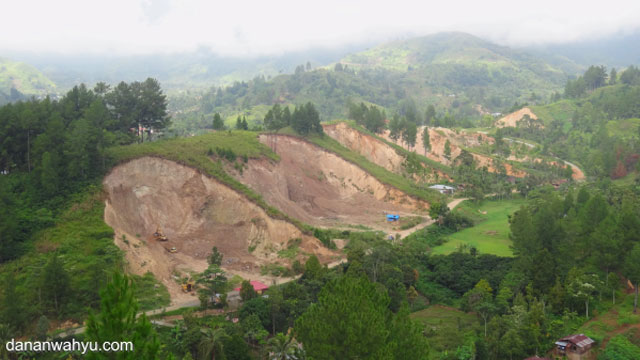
{"x": 321, "y": 188}
{"x": 196, "y": 213}
{"x": 376, "y": 151}
{"x": 457, "y": 141}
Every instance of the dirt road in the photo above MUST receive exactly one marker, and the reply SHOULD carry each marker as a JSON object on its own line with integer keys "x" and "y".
{"x": 451, "y": 205}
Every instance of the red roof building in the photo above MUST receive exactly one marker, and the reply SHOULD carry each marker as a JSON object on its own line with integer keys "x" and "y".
{"x": 258, "y": 286}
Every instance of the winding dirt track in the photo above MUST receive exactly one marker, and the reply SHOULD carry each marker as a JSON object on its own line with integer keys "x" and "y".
{"x": 452, "y": 205}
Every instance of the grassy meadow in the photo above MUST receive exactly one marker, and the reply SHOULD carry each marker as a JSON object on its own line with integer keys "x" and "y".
{"x": 490, "y": 235}
{"x": 445, "y": 327}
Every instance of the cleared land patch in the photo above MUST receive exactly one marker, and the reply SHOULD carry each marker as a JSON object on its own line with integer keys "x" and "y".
{"x": 490, "y": 235}
{"x": 444, "y": 327}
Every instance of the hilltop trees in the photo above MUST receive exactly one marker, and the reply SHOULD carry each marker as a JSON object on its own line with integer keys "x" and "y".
{"x": 49, "y": 149}
{"x": 138, "y": 104}
{"x": 305, "y": 119}
{"x": 368, "y": 116}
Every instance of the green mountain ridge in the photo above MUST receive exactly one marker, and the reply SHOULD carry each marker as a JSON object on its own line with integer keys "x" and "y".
{"x": 455, "y": 72}
{"x": 18, "y": 78}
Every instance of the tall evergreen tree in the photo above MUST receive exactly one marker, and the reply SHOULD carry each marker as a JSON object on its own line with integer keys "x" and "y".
{"x": 218, "y": 124}
{"x": 118, "y": 321}
{"x": 426, "y": 142}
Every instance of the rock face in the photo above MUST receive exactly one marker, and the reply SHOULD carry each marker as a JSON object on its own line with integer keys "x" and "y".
{"x": 196, "y": 213}
{"x": 321, "y": 188}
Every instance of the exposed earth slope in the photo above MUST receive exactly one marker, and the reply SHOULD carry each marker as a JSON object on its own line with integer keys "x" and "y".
{"x": 375, "y": 150}
{"x": 196, "y": 213}
{"x": 321, "y": 188}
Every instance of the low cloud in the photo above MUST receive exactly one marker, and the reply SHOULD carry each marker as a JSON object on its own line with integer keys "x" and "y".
{"x": 269, "y": 27}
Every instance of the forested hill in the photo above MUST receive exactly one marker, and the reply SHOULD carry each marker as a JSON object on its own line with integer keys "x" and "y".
{"x": 448, "y": 48}
{"x": 452, "y": 71}
{"x": 18, "y": 80}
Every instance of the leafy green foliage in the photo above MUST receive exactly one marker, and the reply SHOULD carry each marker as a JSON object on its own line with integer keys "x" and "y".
{"x": 620, "y": 348}
{"x": 350, "y": 320}
{"x": 118, "y": 321}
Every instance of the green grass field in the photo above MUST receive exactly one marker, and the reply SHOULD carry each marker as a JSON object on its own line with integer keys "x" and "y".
{"x": 445, "y": 327}
{"x": 625, "y": 129}
{"x": 561, "y": 110}
{"x": 490, "y": 235}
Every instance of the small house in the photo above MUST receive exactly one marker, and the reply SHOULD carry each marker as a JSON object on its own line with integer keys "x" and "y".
{"x": 258, "y": 286}
{"x": 574, "y": 347}
{"x": 443, "y": 189}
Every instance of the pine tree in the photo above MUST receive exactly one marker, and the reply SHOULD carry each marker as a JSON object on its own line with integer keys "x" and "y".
{"x": 430, "y": 115}
{"x": 426, "y": 142}
{"x": 56, "y": 284}
{"x": 447, "y": 150}
{"x": 218, "y": 124}
{"x": 117, "y": 321}
{"x": 613, "y": 76}
{"x": 347, "y": 322}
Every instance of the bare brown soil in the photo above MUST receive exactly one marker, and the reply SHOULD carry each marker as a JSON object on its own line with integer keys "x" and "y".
{"x": 376, "y": 151}
{"x": 322, "y": 189}
{"x": 438, "y": 137}
{"x": 511, "y": 120}
{"x": 196, "y": 213}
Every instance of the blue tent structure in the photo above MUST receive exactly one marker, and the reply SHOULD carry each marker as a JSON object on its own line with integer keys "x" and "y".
{"x": 391, "y": 217}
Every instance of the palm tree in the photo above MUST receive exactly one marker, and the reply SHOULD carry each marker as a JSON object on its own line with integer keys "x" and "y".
{"x": 283, "y": 347}
{"x": 211, "y": 342}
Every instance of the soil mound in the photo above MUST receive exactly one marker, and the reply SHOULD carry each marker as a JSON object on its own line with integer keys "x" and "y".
{"x": 511, "y": 120}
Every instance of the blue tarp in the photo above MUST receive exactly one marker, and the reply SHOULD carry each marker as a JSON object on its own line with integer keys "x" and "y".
{"x": 391, "y": 217}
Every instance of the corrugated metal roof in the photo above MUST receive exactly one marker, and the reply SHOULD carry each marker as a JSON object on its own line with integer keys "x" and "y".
{"x": 580, "y": 340}
{"x": 442, "y": 187}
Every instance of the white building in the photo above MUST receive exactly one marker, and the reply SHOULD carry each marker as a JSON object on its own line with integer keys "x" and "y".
{"x": 443, "y": 189}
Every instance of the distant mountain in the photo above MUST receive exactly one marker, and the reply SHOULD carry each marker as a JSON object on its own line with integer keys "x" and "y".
{"x": 458, "y": 62}
{"x": 198, "y": 69}
{"x": 19, "y": 80}
{"x": 456, "y": 72}
{"x": 617, "y": 50}
{"x": 444, "y": 48}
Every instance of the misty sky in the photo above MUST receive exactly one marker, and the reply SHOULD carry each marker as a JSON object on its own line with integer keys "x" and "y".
{"x": 270, "y": 26}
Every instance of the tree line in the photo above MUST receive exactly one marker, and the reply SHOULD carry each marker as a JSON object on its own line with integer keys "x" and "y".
{"x": 304, "y": 119}
{"x": 50, "y": 149}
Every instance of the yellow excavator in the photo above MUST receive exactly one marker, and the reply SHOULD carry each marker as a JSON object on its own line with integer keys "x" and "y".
{"x": 188, "y": 286}
{"x": 159, "y": 236}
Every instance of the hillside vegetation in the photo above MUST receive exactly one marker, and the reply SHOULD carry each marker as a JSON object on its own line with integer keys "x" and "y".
{"x": 455, "y": 72}
{"x": 19, "y": 80}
